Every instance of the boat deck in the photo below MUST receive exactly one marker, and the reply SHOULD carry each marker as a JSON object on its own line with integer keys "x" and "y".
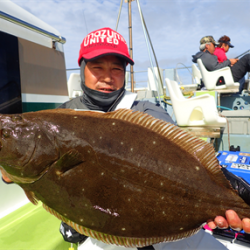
{"x": 31, "y": 226}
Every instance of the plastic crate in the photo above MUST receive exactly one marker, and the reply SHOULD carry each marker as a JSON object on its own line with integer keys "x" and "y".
{"x": 239, "y": 121}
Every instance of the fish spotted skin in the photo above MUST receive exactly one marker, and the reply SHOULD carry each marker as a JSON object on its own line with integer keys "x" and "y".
{"x": 122, "y": 177}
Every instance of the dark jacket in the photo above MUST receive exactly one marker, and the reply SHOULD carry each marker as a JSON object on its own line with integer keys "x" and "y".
{"x": 210, "y": 61}
{"x": 142, "y": 106}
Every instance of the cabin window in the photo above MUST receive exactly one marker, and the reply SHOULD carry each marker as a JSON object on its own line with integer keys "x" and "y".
{"x": 10, "y": 86}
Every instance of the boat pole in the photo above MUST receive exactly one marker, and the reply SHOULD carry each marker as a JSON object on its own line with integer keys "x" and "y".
{"x": 130, "y": 43}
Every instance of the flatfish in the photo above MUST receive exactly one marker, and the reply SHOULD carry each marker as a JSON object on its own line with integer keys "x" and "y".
{"x": 122, "y": 177}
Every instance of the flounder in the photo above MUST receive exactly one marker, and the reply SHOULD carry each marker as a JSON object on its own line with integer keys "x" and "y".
{"x": 122, "y": 177}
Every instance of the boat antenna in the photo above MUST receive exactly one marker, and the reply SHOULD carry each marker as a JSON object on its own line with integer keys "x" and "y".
{"x": 130, "y": 38}
{"x": 119, "y": 14}
{"x": 130, "y": 43}
{"x": 85, "y": 22}
{"x": 147, "y": 38}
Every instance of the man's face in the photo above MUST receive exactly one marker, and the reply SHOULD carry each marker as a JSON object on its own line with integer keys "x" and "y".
{"x": 210, "y": 47}
{"x": 105, "y": 74}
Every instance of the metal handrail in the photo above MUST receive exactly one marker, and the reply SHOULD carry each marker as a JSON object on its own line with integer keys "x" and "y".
{"x": 24, "y": 24}
{"x": 137, "y": 72}
{"x": 141, "y": 71}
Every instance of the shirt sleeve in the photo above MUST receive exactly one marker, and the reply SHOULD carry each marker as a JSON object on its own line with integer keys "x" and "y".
{"x": 153, "y": 110}
{"x": 74, "y": 103}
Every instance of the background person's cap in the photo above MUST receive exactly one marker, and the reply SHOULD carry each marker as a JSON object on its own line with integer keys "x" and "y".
{"x": 208, "y": 39}
{"x": 230, "y": 45}
{"x": 227, "y": 42}
{"x": 103, "y": 42}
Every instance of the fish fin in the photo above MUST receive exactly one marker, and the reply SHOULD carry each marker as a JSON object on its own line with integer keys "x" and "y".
{"x": 130, "y": 241}
{"x": 120, "y": 240}
{"x": 31, "y": 196}
{"x": 201, "y": 150}
{"x": 56, "y": 214}
{"x": 69, "y": 160}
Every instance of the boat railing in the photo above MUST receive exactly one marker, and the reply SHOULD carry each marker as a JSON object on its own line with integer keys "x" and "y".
{"x": 179, "y": 74}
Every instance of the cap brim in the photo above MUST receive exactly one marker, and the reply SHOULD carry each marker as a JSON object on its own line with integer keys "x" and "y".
{"x": 97, "y": 54}
{"x": 230, "y": 45}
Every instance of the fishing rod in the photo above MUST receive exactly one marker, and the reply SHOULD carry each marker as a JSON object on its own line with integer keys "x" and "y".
{"x": 242, "y": 54}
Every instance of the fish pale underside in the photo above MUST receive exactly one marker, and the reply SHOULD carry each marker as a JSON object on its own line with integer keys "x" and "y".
{"x": 121, "y": 177}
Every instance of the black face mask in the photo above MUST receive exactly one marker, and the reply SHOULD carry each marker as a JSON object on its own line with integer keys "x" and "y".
{"x": 96, "y": 100}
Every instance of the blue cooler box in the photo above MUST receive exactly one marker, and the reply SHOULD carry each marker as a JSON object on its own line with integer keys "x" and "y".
{"x": 237, "y": 163}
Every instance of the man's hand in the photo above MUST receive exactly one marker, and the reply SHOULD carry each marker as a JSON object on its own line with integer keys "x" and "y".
{"x": 232, "y": 220}
{"x": 5, "y": 178}
{"x": 233, "y": 61}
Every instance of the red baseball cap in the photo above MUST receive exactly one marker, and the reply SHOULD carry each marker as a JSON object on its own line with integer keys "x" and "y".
{"x": 103, "y": 42}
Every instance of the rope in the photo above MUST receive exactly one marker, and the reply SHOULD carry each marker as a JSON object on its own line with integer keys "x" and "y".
{"x": 186, "y": 68}
{"x": 166, "y": 98}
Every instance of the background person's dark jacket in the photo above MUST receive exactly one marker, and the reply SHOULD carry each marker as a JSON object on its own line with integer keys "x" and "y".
{"x": 210, "y": 61}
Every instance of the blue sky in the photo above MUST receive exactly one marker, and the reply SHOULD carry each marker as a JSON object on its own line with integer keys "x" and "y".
{"x": 175, "y": 26}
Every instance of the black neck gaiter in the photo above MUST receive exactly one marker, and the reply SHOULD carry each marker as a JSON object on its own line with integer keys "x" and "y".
{"x": 96, "y": 100}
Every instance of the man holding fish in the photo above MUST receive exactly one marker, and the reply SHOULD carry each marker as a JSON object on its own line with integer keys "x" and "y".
{"x": 103, "y": 58}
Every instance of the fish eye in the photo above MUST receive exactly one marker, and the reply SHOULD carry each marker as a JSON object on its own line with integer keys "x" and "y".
{"x": 5, "y": 133}
{"x": 16, "y": 118}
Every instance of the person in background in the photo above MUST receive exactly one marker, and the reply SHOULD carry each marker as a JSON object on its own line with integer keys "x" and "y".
{"x": 220, "y": 52}
{"x": 238, "y": 67}
{"x": 223, "y": 47}
{"x": 206, "y": 54}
